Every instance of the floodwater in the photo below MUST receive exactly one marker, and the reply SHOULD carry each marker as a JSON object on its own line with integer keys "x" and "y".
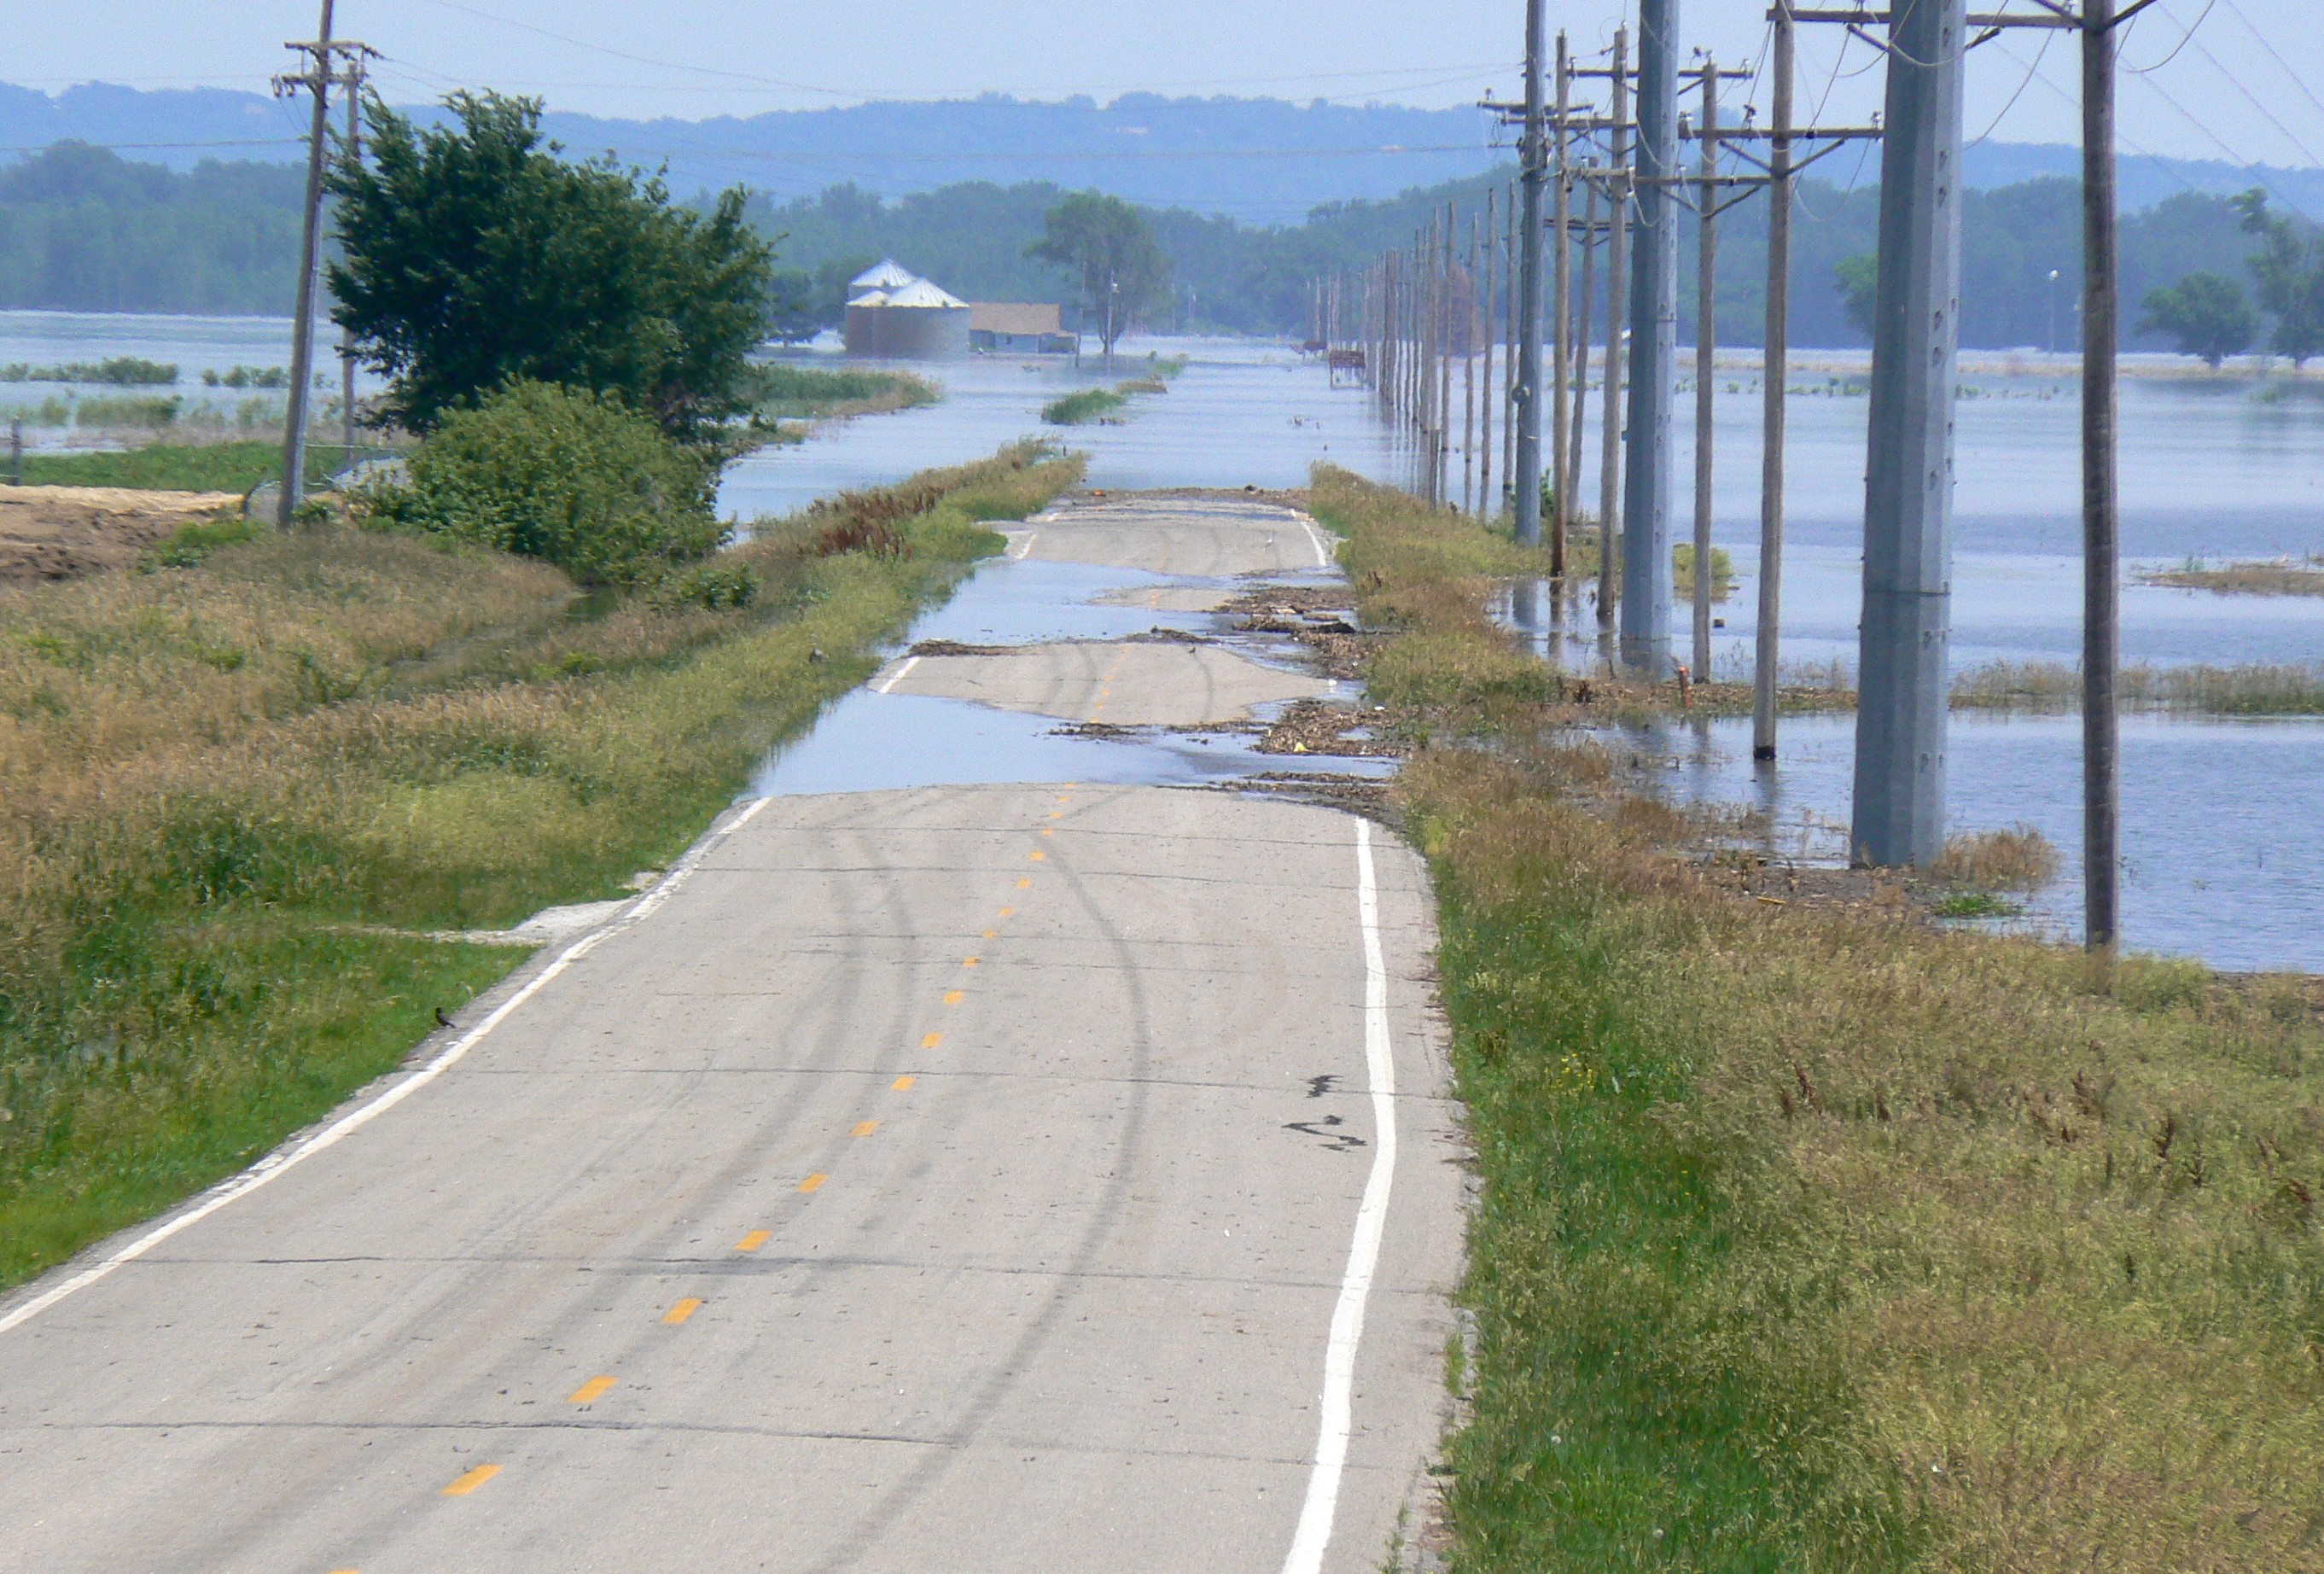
{"x": 2219, "y": 818}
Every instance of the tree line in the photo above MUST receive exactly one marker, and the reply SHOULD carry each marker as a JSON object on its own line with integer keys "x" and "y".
{"x": 82, "y": 228}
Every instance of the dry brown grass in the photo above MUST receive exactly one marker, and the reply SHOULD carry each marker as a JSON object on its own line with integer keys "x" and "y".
{"x": 2283, "y": 577}
{"x": 2020, "y": 859}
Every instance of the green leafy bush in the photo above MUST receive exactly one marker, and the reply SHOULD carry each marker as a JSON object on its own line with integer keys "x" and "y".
{"x": 710, "y": 586}
{"x": 574, "y": 478}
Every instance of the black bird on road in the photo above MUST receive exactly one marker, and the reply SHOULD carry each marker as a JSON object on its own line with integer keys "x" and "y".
{"x": 443, "y": 1021}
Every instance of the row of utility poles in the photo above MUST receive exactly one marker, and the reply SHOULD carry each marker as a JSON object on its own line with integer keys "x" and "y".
{"x": 1416, "y": 308}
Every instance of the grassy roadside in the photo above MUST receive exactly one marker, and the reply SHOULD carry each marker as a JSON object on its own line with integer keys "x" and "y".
{"x": 1820, "y": 1240}
{"x": 788, "y": 398}
{"x": 214, "y": 779}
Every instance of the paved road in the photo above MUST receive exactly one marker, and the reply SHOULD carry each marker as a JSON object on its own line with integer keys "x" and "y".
{"x": 1152, "y": 683}
{"x": 960, "y": 1179}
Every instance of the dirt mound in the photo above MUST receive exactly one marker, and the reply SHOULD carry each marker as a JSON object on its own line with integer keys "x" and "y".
{"x": 61, "y": 532}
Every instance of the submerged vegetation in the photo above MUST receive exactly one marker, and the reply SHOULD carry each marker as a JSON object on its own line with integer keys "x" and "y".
{"x": 1082, "y": 406}
{"x": 236, "y": 798}
{"x": 1818, "y": 1238}
{"x": 2251, "y": 689}
{"x": 223, "y": 466}
{"x": 2281, "y": 578}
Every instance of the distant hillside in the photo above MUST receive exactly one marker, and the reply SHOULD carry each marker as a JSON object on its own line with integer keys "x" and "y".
{"x": 1260, "y": 161}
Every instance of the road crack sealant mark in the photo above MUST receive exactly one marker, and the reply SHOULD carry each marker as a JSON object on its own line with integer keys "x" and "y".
{"x": 1314, "y": 1533}
{"x": 282, "y": 1162}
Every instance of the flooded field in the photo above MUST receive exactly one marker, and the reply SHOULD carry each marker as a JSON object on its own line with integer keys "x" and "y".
{"x": 2222, "y": 861}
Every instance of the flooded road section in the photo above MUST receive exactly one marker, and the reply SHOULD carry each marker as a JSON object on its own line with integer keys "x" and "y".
{"x": 1101, "y": 648}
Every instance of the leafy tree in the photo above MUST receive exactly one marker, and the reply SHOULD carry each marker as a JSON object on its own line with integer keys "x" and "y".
{"x": 1858, "y": 278}
{"x": 475, "y": 254}
{"x": 2289, "y": 269}
{"x": 2207, "y": 314}
{"x": 1110, "y": 245}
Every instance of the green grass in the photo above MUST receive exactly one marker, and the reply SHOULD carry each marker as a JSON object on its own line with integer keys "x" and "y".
{"x": 1814, "y": 1240}
{"x": 1976, "y": 904}
{"x": 225, "y": 466}
{"x": 215, "y": 779}
{"x": 782, "y": 390}
{"x": 1083, "y": 406}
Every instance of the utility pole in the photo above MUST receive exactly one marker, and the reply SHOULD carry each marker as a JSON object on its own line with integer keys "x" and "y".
{"x": 318, "y": 80}
{"x": 1775, "y": 386}
{"x": 1468, "y": 381}
{"x": 1509, "y": 294}
{"x": 1526, "y": 477}
{"x": 1706, "y": 340}
{"x": 1900, "y": 719}
{"x": 1444, "y": 297}
{"x": 1581, "y": 335}
{"x": 2101, "y": 546}
{"x": 1486, "y": 326}
{"x": 1646, "y": 642}
{"x": 1561, "y": 368}
{"x": 347, "y": 335}
{"x": 1609, "y": 436}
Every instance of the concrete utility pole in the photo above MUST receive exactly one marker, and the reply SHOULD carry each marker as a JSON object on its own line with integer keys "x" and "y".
{"x": 1706, "y": 341}
{"x": 1774, "y": 379}
{"x": 1609, "y": 433}
{"x": 318, "y": 80}
{"x": 2101, "y": 546}
{"x": 1581, "y": 332}
{"x": 1900, "y": 720}
{"x": 1561, "y": 367}
{"x": 1654, "y": 350}
{"x": 1526, "y": 477}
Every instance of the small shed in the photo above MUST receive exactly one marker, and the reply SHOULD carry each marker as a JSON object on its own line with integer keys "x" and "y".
{"x": 1018, "y": 328}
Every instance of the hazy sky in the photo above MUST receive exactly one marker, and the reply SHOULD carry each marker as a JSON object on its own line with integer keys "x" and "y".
{"x": 2248, "y": 85}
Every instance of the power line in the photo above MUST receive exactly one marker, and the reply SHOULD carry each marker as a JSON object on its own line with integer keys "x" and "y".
{"x": 2297, "y": 82}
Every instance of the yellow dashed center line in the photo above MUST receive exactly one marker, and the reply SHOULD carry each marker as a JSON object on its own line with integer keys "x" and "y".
{"x": 1010, "y": 911}
{"x": 472, "y": 1480}
{"x": 954, "y": 998}
{"x": 1036, "y": 857}
{"x": 682, "y": 1311}
{"x": 590, "y": 1389}
{"x": 864, "y": 1128}
{"x": 990, "y": 933}
{"x": 968, "y": 961}
{"x": 902, "y": 1085}
{"x": 930, "y": 1041}
{"x": 753, "y": 1241}
{"x": 1023, "y": 883}
{"x": 814, "y": 1181}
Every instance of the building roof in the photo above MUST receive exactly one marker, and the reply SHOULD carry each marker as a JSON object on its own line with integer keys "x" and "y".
{"x": 869, "y": 298}
{"x": 921, "y": 293}
{"x": 890, "y": 274}
{"x": 1014, "y": 317}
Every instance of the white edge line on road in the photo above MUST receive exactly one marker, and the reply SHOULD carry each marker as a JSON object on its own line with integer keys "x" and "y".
{"x": 1314, "y": 1533}
{"x": 279, "y": 1162}
{"x": 896, "y": 677}
{"x": 1314, "y": 539}
{"x": 1023, "y": 546}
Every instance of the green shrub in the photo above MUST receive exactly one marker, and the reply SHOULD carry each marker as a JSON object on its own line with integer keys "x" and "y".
{"x": 574, "y": 478}
{"x": 196, "y": 539}
{"x": 710, "y": 586}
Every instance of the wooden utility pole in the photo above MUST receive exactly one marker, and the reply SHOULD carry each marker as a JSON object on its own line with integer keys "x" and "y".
{"x": 1706, "y": 339}
{"x": 1609, "y": 436}
{"x": 347, "y": 335}
{"x": 1486, "y": 325}
{"x": 2101, "y": 545}
{"x": 1444, "y": 299}
{"x": 1561, "y": 295}
{"x": 1580, "y": 330}
{"x": 1509, "y": 356}
{"x": 1774, "y": 381}
{"x": 317, "y": 79}
{"x": 1468, "y": 380}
